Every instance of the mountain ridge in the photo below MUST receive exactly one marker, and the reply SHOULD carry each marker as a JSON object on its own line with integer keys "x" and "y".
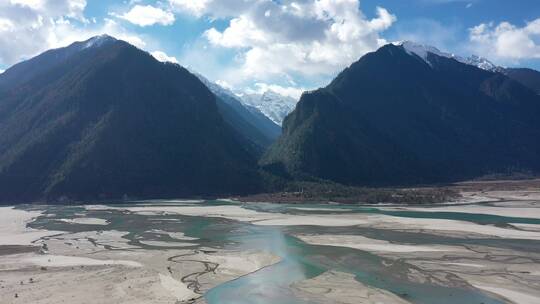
{"x": 526, "y": 76}
{"x": 111, "y": 121}
{"x": 390, "y": 118}
{"x": 422, "y": 51}
{"x": 104, "y": 119}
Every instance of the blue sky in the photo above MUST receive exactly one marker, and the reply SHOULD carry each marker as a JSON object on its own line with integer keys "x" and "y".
{"x": 284, "y": 45}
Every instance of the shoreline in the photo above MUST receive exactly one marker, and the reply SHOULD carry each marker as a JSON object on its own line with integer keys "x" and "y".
{"x": 464, "y": 192}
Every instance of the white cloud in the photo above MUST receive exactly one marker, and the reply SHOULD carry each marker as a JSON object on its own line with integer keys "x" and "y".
{"x": 34, "y": 4}
{"x": 28, "y": 27}
{"x": 65, "y": 33}
{"x": 6, "y": 25}
{"x": 195, "y": 7}
{"x": 505, "y": 41}
{"x": 163, "y": 57}
{"x": 145, "y": 15}
{"x": 69, "y": 8}
{"x": 242, "y": 32}
{"x": 278, "y": 39}
{"x": 214, "y": 8}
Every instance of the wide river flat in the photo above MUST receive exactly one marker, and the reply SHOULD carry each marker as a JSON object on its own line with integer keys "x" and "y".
{"x": 226, "y": 252}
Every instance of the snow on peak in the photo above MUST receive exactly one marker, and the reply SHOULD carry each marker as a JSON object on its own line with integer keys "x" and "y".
{"x": 215, "y": 87}
{"x": 480, "y": 62}
{"x": 272, "y": 104}
{"x": 422, "y": 50}
{"x": 97, "y": 41}
{"x": 274, "y": 96}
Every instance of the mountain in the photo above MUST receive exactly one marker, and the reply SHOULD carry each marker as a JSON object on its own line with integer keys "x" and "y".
{"x": 246, "y": 120}
{"x": 399, "y": 117}
{"x": 480, "y": 62}
{"x": 274, "y": 105}
{"x": 422, "y": 51}
{"x": 103, "y": 119}
{"x": 527, "y": 77}
{"x": 28, "y": 70}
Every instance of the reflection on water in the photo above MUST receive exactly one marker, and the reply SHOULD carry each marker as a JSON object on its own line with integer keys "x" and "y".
{"x": 271, "y": 284}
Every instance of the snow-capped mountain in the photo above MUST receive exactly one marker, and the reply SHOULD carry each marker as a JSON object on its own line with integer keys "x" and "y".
{"x": 274, "y": 105}
{"x": 97, "y": 41}
{"x": 390, "y": 118}
{"x": 528, "y": 77}
{"x": 270, "y": 104}
{"x": 422, "y": 50}
{"x": 481, "y": 62}
{"x": 247, "y": 120}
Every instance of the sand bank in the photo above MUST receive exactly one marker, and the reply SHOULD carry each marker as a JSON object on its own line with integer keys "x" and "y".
{"x": 238, "y": 263}
{"x": 371, "y": 245}
{"x": 178, "y": 289}
{"x": 339, "y": 287}
{"x": 320, "y": 209}
{"x": 238, "y": 213}
{"x": 235, "y": 212}
{"x": 86, "y": 221}
{"x": 519, "y": 195}
{"x": 13, "y": 230}
{"x": 167, "y": 244}
{"x": 477, "y": 209}
{"x": 70, "y": 261}
{"x": 442, "y": 225}
{"x": 512, "y": 295}
{"x": 175, "y": 235}
{"x": 93, "y": 240}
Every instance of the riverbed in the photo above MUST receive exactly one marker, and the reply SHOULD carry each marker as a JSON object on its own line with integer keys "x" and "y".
{"x": 225, "y": 252}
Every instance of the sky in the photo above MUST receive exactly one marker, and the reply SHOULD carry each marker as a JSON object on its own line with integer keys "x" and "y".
{"x": 284, "y": 45}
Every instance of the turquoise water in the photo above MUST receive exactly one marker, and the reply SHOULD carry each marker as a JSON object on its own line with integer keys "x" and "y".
{"x": 303, "y": 261}
{"x": 272, "y": 284}
{"x": 300, "y": 261}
